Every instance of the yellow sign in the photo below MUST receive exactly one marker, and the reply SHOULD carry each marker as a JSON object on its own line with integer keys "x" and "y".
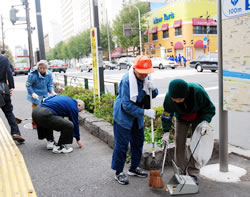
{"x": 94, "y": 51}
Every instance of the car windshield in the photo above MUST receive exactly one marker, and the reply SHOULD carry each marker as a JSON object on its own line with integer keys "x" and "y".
{"x": 21, "y": 65}
{"x": 57, "y": 62}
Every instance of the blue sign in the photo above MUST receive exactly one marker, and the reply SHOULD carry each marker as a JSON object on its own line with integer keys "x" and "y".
{"x": 165, "y": 17}
{"x": 205, "y": 38}
{"x": 235, "y": 8}
{"x": 247, "y": 4}
{"x": 205, "y": 46}
{"x": 234, "y": 2}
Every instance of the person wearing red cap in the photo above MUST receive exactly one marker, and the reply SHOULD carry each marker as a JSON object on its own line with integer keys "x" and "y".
{"x": 130, "y": 106}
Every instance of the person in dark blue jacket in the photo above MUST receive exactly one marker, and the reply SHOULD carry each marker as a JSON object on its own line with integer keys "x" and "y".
{"x": 50, "y": 115}
{"x": 130, "y": 106}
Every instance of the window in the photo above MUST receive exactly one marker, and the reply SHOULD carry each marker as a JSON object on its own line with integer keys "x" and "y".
{"x": 165, "y": 34}
{"x": 203, "y": 29}
{"x": 213, "y": 29}
{"x": 178, "y": 31}
{"x": 155, "y": 36}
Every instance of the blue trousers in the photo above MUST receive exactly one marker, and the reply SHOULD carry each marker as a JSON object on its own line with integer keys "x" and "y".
{"x": 122, "y": 137}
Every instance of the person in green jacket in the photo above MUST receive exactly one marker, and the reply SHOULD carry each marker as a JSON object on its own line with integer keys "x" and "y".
{"x": 191, "y": 105}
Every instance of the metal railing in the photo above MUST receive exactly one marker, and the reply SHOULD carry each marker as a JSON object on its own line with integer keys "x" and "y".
{"x": 86, "y": 82}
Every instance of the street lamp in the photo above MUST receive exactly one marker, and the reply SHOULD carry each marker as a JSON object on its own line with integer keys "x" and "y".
{"x": 139, "y": 18}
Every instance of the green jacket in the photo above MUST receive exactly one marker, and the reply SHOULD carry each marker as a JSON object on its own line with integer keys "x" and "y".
{"x": 197, "y": 102}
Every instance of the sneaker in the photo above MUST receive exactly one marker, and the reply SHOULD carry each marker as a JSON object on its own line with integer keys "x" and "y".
{"x": 195, "y": 178}
{"x": 18, "y": 138}
{"x": 62, "y": 149}
{"x": 137, "y": 172}
{"x": 50, "y": 144}
{"x": 122, "y": 178}
{"x": 34, "y": 126}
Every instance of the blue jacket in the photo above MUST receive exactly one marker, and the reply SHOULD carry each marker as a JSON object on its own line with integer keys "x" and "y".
{"x": 66, "y": 107}
{"x": 41, "y": 85}
{"x": 184, "y": 59}
{"x": 125, "y": 110}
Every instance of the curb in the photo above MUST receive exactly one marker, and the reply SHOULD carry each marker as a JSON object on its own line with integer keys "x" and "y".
{"x": 104, "y": 131}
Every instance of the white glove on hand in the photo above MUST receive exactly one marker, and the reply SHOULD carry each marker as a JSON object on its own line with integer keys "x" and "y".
{"x": 165, "y": 137}
{"x": 149, "y": 113}
{"x": 35, "y": 96}
{"x": 203, "y": 126}
{"x": 150, "y": 84}
{"x": 52, "y": 93}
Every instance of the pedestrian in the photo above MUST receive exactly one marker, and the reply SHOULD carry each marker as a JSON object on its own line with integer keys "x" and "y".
{"x": 39, "y": 84}
{"x": 191, "y": 105}
{"x": 4, "y": 53}
{"x": 179, "y": 60}
{"x": 6, "y": 91}
{"x": 130, "y": 106}
{"x": 50, "y": 115}
{"x": 184, "y": 61}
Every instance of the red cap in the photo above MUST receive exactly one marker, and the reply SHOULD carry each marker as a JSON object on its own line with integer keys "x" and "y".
{"x": 143, "y": 64}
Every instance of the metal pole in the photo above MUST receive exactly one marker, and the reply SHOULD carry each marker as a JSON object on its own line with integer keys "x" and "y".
{"x": 2, "y": 32}
{"x": 31, "y": 58}
{"x": 108, "y": 35}
{"x": 207, "y": 33}
{"x": 40, "y": 30}
{"x": 96, "y": 24}
{"x": 223, "y": 115}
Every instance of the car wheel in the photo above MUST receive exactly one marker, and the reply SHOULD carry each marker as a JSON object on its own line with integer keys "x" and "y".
{"x": 14, "y": 74}
{"x": 173, "y": 67}
{"x": 199, "y": 68}
{"x": 119, "y": 67}
{"x": 160, "y": 66}
{"x": 213, "y": 71}
{"x": 64, "y": 71}
{"x": 26, "y": 73}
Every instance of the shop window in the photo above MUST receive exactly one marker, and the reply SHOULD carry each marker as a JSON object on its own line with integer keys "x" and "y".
{"x": 200, "y": 29}
{"x": 165, "y": 34}
{"x": 178, "y": 31}
{"x": 155, "y": 36}
{"x": 212, "y": 30}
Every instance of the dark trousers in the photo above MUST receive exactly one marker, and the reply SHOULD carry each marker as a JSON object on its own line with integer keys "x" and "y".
{"x": 8, "y": 112}
{"x": 122, "y": 137}
{"x": 47, "y": 122}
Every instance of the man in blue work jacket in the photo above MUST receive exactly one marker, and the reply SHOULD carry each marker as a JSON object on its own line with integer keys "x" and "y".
{"x": 130, "y": 106}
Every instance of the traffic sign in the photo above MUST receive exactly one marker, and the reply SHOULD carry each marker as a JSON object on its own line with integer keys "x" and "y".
{"x": 205, "y": 38}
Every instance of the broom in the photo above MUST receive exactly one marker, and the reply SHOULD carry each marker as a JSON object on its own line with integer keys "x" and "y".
{"x": 155, "y": 179}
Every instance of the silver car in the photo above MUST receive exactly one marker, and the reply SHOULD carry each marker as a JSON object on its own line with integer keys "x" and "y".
{"x": 161, "y": 63}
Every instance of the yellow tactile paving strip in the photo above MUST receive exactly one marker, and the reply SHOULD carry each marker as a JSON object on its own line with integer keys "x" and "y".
{"x": 14, "y": 176}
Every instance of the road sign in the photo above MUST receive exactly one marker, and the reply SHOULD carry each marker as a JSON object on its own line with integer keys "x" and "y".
{"x": 234, "y": 8}
{"x": 205, "y": 46}
{"x": 205, "y": 38}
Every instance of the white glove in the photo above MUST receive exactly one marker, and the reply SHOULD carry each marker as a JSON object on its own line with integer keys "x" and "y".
{"x": 203, "y": 127}
{"x": 35, "y": 96}
{"x": 150, "y": 84}
{"x": 52, "y": 93}
{"x": 149, "y": 113}
{"x": 165, "y": 137}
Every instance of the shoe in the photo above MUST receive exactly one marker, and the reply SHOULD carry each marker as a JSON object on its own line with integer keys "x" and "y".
{"x": 122, "y": 178}
{"x": 62, "y": 149}
{"x": 51, "y": 144}
{"x": 18, "y": 138}
{"x": 137, "y": 172}
{"x": 195, "y": 178}
{"x": 34, "y": 126}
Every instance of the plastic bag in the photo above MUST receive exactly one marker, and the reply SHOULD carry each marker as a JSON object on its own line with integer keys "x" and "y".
{"x": 203, "y": 152}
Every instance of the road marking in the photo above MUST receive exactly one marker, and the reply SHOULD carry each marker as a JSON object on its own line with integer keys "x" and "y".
{"x": 207, "y": 89}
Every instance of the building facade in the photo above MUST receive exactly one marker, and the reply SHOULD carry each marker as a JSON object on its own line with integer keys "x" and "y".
{"x": 185, "y": 27}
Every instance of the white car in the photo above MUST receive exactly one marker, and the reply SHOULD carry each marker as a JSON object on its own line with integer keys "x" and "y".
{"x": 161, "y": 63}
{"x": 86, "y": 65}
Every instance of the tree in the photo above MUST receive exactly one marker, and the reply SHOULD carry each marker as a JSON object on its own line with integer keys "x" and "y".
{"x": 104, "y": 39}
{"x": 129, "y": 15}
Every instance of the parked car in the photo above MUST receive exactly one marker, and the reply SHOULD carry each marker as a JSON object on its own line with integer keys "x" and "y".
{"x": 57, "y": 66}
{"x": 125, "y": 62}
{"x": 86, "y": 65}
{"x": 161, "y": 63}
{"x": 111, "y": 65}
{"x": 21, "y": 68}
{"x": 205, "y": 62}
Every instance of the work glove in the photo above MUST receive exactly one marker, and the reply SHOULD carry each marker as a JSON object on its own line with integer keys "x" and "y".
{"x": 52, "y": 93}
{"x": 203, "y": 127}
{"x": 149, "y": 113}
{"x": 150, "y": 85}
{"x": 165, "y": 137}
{"x": 35, "y": 96}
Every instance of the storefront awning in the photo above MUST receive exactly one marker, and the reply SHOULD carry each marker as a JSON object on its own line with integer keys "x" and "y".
{"x": 145, "y": 32}
{"x": 116, "y": 53}
{"x": 177, "y": 23}
{"x": 204, "y": 22}
{"x": 178, "y": 45}
{"x": 198, "y": 44}
{"x": 164, "y": 27}
{"x": 154, "y": 30}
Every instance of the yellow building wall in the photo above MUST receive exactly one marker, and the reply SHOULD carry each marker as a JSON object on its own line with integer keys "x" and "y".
{"x": 184, "y": 10}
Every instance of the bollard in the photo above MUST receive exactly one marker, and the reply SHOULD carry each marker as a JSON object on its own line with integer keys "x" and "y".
{"x": 116, "y": 88}
{"x": 86, "y": 83}
{"x": 65, "y": 80}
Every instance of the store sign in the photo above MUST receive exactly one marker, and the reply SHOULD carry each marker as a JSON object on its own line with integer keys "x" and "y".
{"x": 165, "y": 18}
{"x": 234, "y": 8}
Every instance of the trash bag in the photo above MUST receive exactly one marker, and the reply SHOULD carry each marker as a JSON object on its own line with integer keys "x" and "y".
{"x": 203, "y": 151}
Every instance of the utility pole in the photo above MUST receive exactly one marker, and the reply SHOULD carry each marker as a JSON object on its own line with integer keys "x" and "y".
{"x": 31, "y": 57}
{"x": 108, "y": 35}
{"x": 2, "y": 32}
{"x": 40, "y": 30}
{"x": 96, "y": 24}
{"x": 208, "y": 28}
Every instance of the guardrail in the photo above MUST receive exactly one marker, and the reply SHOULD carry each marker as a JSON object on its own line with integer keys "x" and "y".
{"x": 86, "y": 82}
{"x": 14, "y": 176}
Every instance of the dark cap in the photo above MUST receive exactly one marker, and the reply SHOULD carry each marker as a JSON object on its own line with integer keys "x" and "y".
{"x": 3, "y": 52}
{"x": 178, "y": 88}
